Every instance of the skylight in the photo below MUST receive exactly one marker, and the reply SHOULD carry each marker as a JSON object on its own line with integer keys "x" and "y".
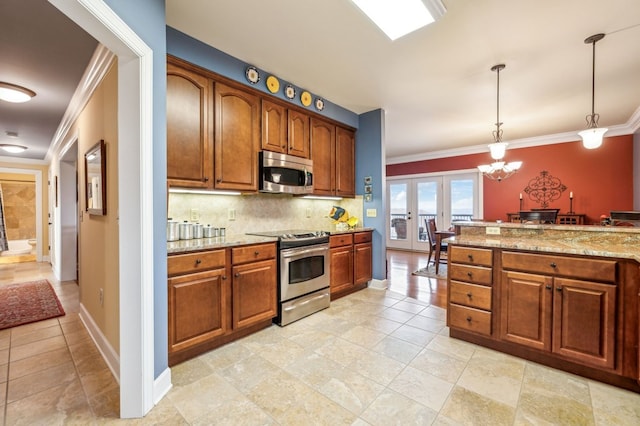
{"x": 397, "y": 18}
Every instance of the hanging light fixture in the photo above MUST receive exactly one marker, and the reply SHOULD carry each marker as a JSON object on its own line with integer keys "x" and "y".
{"x": 498, "y": 170}
{"x": 592, "y": 136}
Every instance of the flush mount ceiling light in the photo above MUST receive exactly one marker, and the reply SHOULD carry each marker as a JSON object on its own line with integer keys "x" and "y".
{"x": 14, "y": 93}
{"x": 13, "y": 149}
{"x": 498, "y": 170}
{"x": 592, "y": 136}
{"x": 400, "y": 17}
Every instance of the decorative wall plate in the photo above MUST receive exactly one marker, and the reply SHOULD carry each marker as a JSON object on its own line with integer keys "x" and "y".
{"x": 252, "y": 74}
{"x": 319, "y": 104}
{"x": 273, "y": 84}
{"x": 305, "y": 98}
{"x": 290, "y": 91}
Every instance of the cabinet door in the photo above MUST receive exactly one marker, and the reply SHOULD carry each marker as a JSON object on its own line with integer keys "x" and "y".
{"x": 237, "y": 138}
{"x": 254, "y": 293}
{"x": 341, "y": 261}
{"x": 526, "y": 309}
{"x": 274, "y": 127}
{"x": 188, "y": 128}
{"x": 298, "y": 134}
{"x": 584, "y": 321}
{"x": 323, "y": 140}
{"x": 198, "y": 308}
{"x": 345, "y": 163}
{"x": 362, "y": 263}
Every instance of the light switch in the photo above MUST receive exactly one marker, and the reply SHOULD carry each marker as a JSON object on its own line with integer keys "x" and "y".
{"x": 195, "y": 215}
{"x": 232, "y": 214}
{"x": 372, "y": 212}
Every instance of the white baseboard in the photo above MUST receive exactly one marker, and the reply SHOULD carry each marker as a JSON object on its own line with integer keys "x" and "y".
{"x": 162, "y": 385}
{"x": 106, "y": 350}
{"x": 378, "y": 284}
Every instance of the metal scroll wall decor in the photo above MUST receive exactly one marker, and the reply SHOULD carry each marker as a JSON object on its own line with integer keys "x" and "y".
{"x": 544, "y": 188}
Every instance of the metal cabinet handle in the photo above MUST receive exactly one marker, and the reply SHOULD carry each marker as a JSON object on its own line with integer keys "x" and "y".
{"x": 237, "y": 275}
{"x": 206, "y": 179}
{"x": 469, "y": 274}
{"x": 469, "y": 319}
{"x": 553, "y": 264}
{"x": 198, "y": 261}
{"x": 469, "y": 295}
{"x": 224, "y": 277}
{"x": 256, "y": 252}
{"x": 558, "y": 288}
{"x": 548, "y": 287}
{"x": 470, "y": 257}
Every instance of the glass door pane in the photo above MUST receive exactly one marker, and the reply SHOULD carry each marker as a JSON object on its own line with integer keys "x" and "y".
{"x": 427, "y": 199}
{"x": 462, "y": 199}
{"x": 398, "y": 214}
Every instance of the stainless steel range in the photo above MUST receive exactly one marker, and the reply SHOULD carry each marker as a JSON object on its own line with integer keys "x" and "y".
{"x": 303, "y": 273}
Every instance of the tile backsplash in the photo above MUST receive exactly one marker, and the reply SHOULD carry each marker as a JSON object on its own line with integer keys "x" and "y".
{"x": 259, "y": 212}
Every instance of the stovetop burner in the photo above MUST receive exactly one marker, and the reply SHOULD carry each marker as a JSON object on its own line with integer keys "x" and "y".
{"x": 295, "y": 237}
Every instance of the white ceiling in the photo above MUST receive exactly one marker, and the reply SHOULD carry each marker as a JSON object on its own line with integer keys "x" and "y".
{"x": 435, "y": 84}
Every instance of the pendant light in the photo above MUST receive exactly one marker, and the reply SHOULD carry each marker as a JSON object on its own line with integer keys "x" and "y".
{"x": 592, "y": 136}
{"x": 498, "y": 170}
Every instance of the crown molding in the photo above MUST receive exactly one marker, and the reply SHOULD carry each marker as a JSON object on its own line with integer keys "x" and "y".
{"x": 27, "y": 161}
{"x": 630, "y": 127}
{"x": 94, "y": 73}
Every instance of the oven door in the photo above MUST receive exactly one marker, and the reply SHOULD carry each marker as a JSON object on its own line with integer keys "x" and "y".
{"x": 303, "y": 270}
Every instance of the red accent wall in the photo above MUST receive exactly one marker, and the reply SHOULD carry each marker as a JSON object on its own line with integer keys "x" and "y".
{"x": 601, "y": 179}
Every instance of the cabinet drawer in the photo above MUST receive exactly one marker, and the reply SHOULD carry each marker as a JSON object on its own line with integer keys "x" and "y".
{"x": 590, "y": 269}
{"x": 340, "y": 240}
{"x": 473, "y": 256}
{"x": 472, "y": 274}
{"x": 476, "y": 296}
{"x": 252, "y": 253}
{"x": 195, "y": 262}
{"x": 470, "y": 319}
{"x": 361, "y": 237}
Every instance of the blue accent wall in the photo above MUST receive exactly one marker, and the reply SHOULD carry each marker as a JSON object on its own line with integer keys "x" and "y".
{"x": 370, "y": 163}
{"x": 205, "y": 56}
{"x": 147, "y": 19}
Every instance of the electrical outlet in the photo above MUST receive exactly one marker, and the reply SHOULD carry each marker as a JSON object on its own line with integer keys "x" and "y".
{"x": 232, "y": 214}
{"x": 308, "y": 211}
{"x": 493, "y": 230}
{"x": 372, "y": 212}
{"x": 101, "y": 297}
{"x": 195, "y": 215}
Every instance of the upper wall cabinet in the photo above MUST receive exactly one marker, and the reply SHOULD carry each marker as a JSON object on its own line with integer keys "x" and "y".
{"x": 284, "y": 130}
{"x": 237, "y": 138}
{"x": 333, "y": 155}
{"x": 189, "y": 144}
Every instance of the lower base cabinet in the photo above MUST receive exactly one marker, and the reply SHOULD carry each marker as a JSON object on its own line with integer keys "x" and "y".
{"x": 350, "y": 257}
{"x": 217, "y": 296}
{"x": 576, "y": 313}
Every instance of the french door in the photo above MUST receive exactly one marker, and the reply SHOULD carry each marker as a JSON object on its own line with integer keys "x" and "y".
{"x": 412, "y": 201}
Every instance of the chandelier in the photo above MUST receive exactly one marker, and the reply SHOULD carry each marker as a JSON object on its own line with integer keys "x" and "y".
{"x": 498, "y": 170}
{"x": 592, "y": 136}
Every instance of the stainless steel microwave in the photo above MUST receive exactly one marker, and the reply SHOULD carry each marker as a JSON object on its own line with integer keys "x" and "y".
{"x": 282, "y": 173}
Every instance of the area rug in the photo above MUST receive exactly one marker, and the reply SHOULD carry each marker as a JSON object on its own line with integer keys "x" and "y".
{"x": 28, "y": 302}
{"x": 430, "y": 271}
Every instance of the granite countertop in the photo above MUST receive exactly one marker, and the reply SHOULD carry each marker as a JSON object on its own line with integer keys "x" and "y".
{"x": 185, "y": 246}
{"x": 605, "y": 241}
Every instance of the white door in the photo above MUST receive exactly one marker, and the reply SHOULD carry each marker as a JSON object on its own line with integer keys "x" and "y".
{"x": 412, "y": 201}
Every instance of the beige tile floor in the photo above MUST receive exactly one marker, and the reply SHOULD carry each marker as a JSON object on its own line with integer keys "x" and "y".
{"x": 373, "y": 358}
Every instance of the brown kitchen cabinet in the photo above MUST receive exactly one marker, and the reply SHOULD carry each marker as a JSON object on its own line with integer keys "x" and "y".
{"x": 284, "y": 130}
{"x": 333, "y": 155}
{"x": 254, "y": 284}
{"x": 350, "y": 257}
{"x": 560, "y": 304}
{"x": 362, "y": 256}
{"x": 217, "y": 296}
{"x": 199, "y": 299}
{"x": 189, "y": 135}
{"x": 236, "y": 138}
{"x": 469, "y": 287}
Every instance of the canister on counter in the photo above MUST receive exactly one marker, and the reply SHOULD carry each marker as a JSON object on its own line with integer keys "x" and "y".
{"x": 197, "y": 230}
{"x": 173, "y": 234}
{"x": 223, "y": 232}
{"x": 207, "y": 231}
{"x": 186, "y": 231}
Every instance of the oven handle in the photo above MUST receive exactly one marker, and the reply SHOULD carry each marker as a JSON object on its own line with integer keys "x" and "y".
{"x": 291, "y": 253}
{"x": 313, "y": 299}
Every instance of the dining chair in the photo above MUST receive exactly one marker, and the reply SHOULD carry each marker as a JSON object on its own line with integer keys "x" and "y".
{"x": 434, "y": 239}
